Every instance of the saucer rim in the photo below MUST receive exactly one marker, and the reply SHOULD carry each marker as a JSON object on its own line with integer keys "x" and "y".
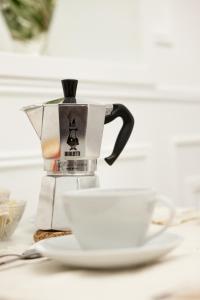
{"x": 149, "y": 246}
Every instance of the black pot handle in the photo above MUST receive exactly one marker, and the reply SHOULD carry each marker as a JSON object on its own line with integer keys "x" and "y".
{"x": 120, "y": 110}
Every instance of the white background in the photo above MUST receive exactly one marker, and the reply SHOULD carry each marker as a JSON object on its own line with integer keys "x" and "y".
{"x": 142, "y": 53}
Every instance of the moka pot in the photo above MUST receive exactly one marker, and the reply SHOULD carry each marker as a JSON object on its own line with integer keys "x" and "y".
{"x": 71, "y": 135}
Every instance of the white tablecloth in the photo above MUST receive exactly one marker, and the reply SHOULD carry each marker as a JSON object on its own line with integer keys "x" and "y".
{"x": 46, "y": 280}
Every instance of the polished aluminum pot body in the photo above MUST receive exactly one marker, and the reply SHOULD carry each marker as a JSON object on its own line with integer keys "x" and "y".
{"x": 70, "y": 135}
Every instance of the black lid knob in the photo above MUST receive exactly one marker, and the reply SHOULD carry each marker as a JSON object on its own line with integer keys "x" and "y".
{"x": 69, "y": 90}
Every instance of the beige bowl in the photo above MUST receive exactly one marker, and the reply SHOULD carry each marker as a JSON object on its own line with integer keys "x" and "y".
{"x": 4, "y": 194}
{"x": 11, "y": 212}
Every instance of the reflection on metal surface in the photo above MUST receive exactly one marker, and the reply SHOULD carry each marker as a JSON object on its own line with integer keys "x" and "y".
{"x": 70, "y": 167}
{"x": 51, "y": 148}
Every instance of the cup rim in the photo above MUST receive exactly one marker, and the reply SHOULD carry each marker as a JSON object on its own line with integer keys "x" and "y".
{"x": 112, "y": 192}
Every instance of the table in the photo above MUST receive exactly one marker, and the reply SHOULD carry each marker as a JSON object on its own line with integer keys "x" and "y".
{"x": 46, "y": 280}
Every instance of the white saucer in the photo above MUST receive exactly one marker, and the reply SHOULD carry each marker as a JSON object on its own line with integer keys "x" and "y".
{"x": 67, "y": 251}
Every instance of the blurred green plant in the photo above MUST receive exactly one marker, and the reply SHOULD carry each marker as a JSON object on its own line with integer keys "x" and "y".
{"x": 27, "y": 19}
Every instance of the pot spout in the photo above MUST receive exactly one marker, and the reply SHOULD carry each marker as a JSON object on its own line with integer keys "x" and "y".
{"x": 35, "y": 115}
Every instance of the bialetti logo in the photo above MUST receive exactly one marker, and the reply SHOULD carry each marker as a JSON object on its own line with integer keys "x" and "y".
{"x": 72, "y": 153}
{"x": 72, "y": 139}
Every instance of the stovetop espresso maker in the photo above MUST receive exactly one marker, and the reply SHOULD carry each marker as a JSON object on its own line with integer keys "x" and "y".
{"x": 71, "y": 135}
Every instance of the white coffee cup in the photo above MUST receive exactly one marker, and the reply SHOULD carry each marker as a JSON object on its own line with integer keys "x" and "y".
{"x": 113, "y": 218}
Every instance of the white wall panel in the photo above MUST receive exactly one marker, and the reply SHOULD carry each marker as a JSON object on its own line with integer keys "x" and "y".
{"x": 103, "y": 30}
{"x": 155, "y": 156}
{"x": 187, "y": 168}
